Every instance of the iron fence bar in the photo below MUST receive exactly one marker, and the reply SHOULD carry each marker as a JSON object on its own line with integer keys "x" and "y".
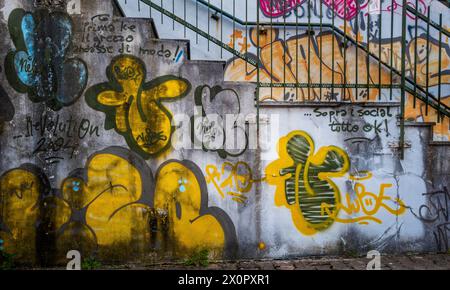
{"x": 427, "y": 62}
{"x": 356, "y": 50}
{"x": 380, "y": 17}
{"x": 391, "y": 75}
{"x": 345, "y": 48}
{"x": 439, "y": 69}
{"x": 258, "y": 52}
{"x": 368, "y": 56}
{"x": 403, "y": 83}
{"x": 320, "y": 52}
{"x": 332, "y": 50}
{"x": 415, "y": 58}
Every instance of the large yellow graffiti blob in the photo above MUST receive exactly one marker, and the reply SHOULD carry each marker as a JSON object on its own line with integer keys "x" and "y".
{"x": 133, "y": 107}
{"x": 113, "y": 208}
{"x": 110, "y": 202}
{"x": 20, "y": 195}
{"x": 181, "y": 201}
{"x": 303, "y": 180}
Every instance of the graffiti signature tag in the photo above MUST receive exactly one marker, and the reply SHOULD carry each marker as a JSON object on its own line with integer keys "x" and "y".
{"x": 365, "y": 202}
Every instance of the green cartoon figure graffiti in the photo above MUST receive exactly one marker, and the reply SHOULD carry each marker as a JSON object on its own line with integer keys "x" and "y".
{"x": 133, "y": 107}
{"x": 303, "y": 180}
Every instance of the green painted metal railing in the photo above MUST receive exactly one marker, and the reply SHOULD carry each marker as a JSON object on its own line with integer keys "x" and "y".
{"x": 408, "y": 84}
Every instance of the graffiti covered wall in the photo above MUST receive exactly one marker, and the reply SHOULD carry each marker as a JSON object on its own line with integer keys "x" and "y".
{"x": 116, "y": 144}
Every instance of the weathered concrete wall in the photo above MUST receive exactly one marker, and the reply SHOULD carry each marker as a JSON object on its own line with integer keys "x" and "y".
{"x": 111, "y": 145}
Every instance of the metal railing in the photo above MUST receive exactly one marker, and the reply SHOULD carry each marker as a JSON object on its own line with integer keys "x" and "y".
{"x": 414, "y": 79}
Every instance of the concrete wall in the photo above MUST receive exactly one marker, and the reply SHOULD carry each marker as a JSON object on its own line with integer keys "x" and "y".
{"x": 111, "y": 145}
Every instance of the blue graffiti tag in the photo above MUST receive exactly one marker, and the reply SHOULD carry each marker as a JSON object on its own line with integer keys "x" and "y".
{"x": 40, "y": 66}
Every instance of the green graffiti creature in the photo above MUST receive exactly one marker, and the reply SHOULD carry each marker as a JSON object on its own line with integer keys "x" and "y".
{"x": 303, "y": 180}
{"x": 133, "y": 107}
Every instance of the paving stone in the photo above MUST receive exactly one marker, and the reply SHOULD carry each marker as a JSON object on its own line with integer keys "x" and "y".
{"x": 302, "y": 265}
{"x": 286, "y": 267}
{"x": 356, "y": 264}
{"x": 215, "y": 267}
{"x": 339, "y": 265}
{"x": 266, "y": 266}
{"x": 248, "y": 266}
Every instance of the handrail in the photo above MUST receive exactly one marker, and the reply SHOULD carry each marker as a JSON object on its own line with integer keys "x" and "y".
{"x": 429, "y": 98}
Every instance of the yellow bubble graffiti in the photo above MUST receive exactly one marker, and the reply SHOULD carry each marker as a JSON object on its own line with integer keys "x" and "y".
{"x": 179, "y": 197}
{"x": 20, "y": 192}
{"x": 134, "y": 108}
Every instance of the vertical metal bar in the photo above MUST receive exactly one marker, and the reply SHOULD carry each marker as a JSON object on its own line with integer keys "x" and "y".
{"x": 284, "y": 58}
{"x": 415, "y": 59}
{"x": 391, "y": 53}
{"x": 150, "y": 11}
{"x": 332, "y": 48}
{"x": 271, "y": 54}
{"x": 258, "y": 52}
{"x": 162, "y": 15}
{"x": 356, "y": 51}
{"x": 320, "y": 52}
{"x": 345, "y": 49}
{"x": 296, "y": 55}
{"x": 246, "y": 34}
{"x": 196, "y": 21}
{"x": 173, "y": 12}
{"x": 221, "y": 28}
{"x": 184, "y": 18}
{"x": 379, "y": 49}
{"x": 403, "y": 81}
{"x": 439, "y": 69}
{"x": 368, "y": 57}
{"x": 209, "y": 21}
{"x": 234, "y": 24}
{"x": 309, "y": 50}
{"x": 428, "y": 62}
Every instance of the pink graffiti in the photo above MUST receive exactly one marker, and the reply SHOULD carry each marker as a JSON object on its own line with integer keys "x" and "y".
{"x": 421, "y": 7}
{"x": 277, "y": 8}
{"x": 345, "y": 9}
{"x": 340, "y": 7}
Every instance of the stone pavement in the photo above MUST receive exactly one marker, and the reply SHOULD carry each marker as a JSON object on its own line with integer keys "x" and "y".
{"x": 397, "y": 262}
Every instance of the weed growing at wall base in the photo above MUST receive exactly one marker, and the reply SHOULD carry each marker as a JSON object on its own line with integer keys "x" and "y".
{"x": 200, "y": 258}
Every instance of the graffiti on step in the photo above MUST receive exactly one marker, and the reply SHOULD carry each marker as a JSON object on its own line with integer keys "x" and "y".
{"x": 56, "y": 136}
{"x": 110, "y": 203}
{"x": 104, "y": 34}
{"x": 210, "y": 128}
{"x": 234, "y": 180}
{"x": 164, "y": 53}
{"x": 238, "y": 38}
{"x": 40, "y": 65}
{"x": 348, "y": 120}
{"x": 436, "y": 213}
{"x": 295, "y": 65}
{"x": 134, "y": 107}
